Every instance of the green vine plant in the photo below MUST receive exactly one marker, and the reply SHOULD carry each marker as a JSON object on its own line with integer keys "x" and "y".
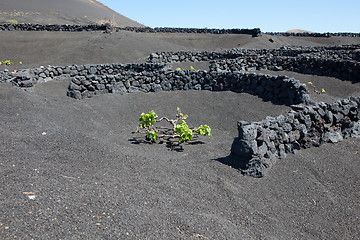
{"x": 177, "y": 134}
{"x": 6, "y": 62}
{"x": 12, "y": 21}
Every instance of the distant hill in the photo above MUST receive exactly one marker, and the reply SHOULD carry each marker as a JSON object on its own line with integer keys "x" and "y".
{"x": 298, "y": 31}
{"x": 61, "y": 12}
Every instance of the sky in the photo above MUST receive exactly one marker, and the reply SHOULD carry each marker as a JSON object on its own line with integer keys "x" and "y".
{"x": 268, "y": 15}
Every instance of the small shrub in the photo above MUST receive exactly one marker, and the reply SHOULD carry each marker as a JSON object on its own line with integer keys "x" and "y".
{"x": 175, "y": 136}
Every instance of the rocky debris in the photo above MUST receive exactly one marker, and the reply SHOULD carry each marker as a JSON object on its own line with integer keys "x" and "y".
{"x": 22, "y": 79}
{"x": 305, "y": 126}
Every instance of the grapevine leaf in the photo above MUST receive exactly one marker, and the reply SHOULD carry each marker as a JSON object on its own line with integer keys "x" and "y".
{"x": 185, "y": 133}
{"x": 204, "y": 130}
{"x": 152, "y": 135}
{"x": 147, "y": 120}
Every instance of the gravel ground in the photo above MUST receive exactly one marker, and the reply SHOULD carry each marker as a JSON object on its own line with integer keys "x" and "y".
{"x": 73, "y": 169}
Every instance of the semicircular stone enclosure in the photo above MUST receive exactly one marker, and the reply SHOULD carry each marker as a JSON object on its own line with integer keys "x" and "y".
{"x": 259, "y": 144}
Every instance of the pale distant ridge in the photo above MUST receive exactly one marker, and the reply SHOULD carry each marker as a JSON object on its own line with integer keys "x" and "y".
{"x": 298, "y": 31}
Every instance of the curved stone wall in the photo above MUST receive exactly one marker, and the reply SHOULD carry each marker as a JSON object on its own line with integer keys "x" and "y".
{"x": 278, "y": 89}
{"x": 90, "y": 80}
{"x": 261, "y": 144}
{"x": 335, "y": 61}
{"x": 342, "y": 69}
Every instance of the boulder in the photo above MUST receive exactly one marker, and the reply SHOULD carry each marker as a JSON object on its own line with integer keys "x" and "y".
{"x": 119, "y": 88}
{"x": 244, "y": 148}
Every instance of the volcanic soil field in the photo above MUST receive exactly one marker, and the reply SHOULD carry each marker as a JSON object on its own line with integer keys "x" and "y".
{"x": 72, "y": 168}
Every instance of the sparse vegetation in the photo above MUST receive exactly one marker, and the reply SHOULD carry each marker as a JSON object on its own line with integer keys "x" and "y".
{"x": 179, "y": 133}
{"x": 315, "y": 90}
{"x": 12, "y": 21}
{"x": 8, "y": 62}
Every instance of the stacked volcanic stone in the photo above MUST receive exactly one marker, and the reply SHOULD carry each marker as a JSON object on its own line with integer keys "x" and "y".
{"x": 278, "y": 89}
{"x": 90, "y": 80}
{"x": 254, "y": 32}
{"x": 22, "y": 79}
{"x": 336, "y": 52}
{"x": 44, "y": 74}
{"x": 104, "y": 27}
{"x": 308, "y": 34}
{"x": 183, "y": 56}
{"x": 342, "y": 69}
{"x": 53, "y": 27}
{"x": 260, "y": 144}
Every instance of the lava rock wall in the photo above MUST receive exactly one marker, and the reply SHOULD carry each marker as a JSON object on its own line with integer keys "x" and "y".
{"x": 255, "y": 32}
{"x": 109, "y": 28}
{"x": 259, "y": 144}
{"x": 52, "y": 27}
{"x": 278, "y": 89}
{"x": 334, "y": 61}
{"x": 263, "y": 143}
{"x": 342, "y": 69}
{"x": 90, "y": 80}
{"x": 309, "y": 34}
{"x": 336, "y": 52}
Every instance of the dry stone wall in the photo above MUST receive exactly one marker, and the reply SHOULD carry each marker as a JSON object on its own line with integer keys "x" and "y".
{"x": 53, "y": 27}
{"x": 108, "y": 28}
{"x": 278, "y": 89}
{"x": 336, "y": 52}
{"x": 342, "y": 69}
{"x": 261, "y": 144}
{"x": 309, "y": 34}
{"x": 255, "y": 32}
{"x": 90, "y": 80}
{"x": 335, "y": 61}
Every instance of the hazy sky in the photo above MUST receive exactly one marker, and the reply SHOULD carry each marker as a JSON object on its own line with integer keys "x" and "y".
{"x": 269, "y": 15}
